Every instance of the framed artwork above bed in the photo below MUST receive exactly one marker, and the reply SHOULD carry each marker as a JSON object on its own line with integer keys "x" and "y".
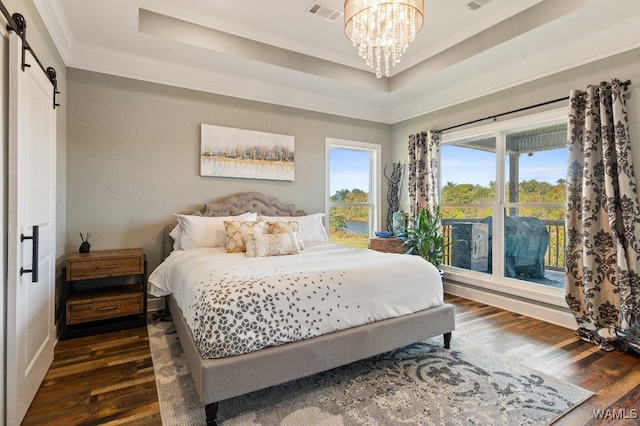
{"x": 239, "y": 153}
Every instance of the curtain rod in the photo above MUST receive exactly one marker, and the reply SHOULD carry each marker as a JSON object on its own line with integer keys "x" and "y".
{"x": 17, "y": 24}
{"x": 493, "y": 117}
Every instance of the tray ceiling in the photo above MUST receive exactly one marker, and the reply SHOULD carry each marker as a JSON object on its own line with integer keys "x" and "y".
{"x": 278, "y": 52}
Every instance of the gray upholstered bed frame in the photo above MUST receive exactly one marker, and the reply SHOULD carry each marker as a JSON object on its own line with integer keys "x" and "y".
{"x": 224, "y": 378}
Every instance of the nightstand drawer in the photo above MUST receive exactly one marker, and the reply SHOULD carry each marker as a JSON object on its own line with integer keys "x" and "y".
{"x": 387, "y": 245}
{"x": 114, "y": 267}
{"x": 94, "y": 309}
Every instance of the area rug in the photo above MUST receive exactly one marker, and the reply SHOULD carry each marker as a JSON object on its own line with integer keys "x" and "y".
{"x": 422, "y": 384}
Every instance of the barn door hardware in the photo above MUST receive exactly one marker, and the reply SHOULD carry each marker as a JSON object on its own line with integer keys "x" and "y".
{"x": 18, "y": 24}
{"x": 51, "y": 73}
{"x": 35, "y": 236}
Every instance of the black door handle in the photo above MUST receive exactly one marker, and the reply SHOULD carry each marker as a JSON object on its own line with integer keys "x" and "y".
{"x": 34, "y": 254}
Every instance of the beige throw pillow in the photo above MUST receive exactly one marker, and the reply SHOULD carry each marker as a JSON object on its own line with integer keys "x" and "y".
{"x": 262, "y": 245}
{"x": 236, "y": 233}
{"x": 287, "y": 227}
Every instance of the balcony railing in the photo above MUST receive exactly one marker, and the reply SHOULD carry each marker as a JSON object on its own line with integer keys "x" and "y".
{"x": 554, "y": 257}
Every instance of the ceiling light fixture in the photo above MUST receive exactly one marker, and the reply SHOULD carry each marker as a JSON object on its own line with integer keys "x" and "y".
{"x": 382, "y": 30}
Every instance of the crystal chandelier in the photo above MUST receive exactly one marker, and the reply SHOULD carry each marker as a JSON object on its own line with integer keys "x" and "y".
{"x": 382, "y": 30}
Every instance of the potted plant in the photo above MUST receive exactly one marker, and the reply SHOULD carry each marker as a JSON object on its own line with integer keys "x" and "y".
{"x": 424, "y": 236}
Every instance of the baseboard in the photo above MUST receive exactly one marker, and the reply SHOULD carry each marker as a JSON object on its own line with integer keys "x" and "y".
{"x": 548, "y": 314}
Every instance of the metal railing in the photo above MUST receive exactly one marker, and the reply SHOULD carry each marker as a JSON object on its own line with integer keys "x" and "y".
{"x": 554, "y": 257}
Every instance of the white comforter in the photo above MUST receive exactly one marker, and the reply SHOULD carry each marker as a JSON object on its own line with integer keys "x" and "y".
{"x": 236, "y": 304}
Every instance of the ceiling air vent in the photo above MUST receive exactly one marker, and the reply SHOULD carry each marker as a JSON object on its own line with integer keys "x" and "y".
{"x": 324, "y": 11}
{"x": 476, "y": 4}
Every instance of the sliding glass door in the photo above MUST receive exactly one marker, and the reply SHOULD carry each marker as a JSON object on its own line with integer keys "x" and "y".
{"x": 503, "y": 200}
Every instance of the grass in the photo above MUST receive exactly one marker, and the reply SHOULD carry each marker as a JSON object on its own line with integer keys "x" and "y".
{"x": 350, "y": 239}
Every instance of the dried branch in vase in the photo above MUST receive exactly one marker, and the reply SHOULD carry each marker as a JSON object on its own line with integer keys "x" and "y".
{"x": 393, "y": 193}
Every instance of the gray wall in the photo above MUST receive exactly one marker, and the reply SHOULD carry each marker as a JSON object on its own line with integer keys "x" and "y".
{"x": 133, "y": 156}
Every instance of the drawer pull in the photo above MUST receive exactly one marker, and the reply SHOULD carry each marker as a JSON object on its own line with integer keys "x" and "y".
{"x": 95, "y": 268}
{"x": 106, "y": 308}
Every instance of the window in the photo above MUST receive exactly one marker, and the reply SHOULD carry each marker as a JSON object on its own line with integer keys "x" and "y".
{"x": 503, "y": 202}
{"x": 353, "y": 188}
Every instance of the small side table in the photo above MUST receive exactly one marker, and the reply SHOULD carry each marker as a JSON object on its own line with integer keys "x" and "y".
{"x": 104, "y": 291}
{"x": 387, "y": 245}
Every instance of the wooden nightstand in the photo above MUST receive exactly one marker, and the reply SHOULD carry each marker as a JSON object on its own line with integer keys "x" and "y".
{"x": 387, "y": 245}
{"x": 104, "y": 291}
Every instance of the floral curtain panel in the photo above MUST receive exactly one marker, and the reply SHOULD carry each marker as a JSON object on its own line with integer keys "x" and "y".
{"x": 603, "y": 216}
{"x": 424, "y": 166}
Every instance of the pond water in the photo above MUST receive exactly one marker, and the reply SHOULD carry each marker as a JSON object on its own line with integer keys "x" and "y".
{"x": 357, "y": 227}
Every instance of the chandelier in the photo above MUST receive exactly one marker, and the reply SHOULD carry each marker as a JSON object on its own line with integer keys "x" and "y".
{"x": 382, "y": 30}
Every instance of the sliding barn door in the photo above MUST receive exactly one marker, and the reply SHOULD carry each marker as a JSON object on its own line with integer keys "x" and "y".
{"x": 31, "y": 224}
{"x": 4, "y": 100}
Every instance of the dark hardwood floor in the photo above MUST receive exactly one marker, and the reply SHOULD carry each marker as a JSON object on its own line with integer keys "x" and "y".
{"x": 614, "y": 377}
{"x": 102, "y": 379}
{"x": 108, "y": 379}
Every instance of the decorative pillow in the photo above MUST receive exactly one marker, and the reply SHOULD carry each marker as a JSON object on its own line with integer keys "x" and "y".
{"x": 287, "y": 227}
{"x": 236, "y": 233}
{"x": 203, "y": 231}
{"x": 261, "y": 245}
{"x": 311, "y": 226}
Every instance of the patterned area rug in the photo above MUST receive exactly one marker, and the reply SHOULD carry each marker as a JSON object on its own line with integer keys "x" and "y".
{"x": 422, "y": 384}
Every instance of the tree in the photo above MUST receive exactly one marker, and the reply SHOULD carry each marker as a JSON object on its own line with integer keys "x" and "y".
{"x": 350, "y": 212}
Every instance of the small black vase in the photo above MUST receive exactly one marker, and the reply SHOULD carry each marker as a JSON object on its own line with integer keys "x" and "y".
{"x": 85, "y": 247}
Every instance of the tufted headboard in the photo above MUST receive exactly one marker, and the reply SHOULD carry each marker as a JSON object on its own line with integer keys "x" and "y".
{"x": 253, "y": 202}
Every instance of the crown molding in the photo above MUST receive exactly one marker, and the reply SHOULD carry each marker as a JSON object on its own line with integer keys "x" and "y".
{"x": 54, "y": 20}
{"x": 439, "y": 93}
{"x": 354, "y": 102}
{"x": 357, "y": 103}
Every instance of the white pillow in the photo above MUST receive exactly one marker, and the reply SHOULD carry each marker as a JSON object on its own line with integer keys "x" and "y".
{"x": 203, "y": 231}
{"x": 175, "y": 234}
{"x": 311, "y": 226}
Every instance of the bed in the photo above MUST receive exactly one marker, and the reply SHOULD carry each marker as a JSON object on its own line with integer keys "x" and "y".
{"x": 324, "y": 316}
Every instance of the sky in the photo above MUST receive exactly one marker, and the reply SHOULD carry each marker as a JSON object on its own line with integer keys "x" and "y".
{"x": 461, "y": 165}
{"x": 349, "y": 169}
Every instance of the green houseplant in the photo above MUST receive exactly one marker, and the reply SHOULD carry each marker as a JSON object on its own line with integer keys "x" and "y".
{"x": 424, "y": 236}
